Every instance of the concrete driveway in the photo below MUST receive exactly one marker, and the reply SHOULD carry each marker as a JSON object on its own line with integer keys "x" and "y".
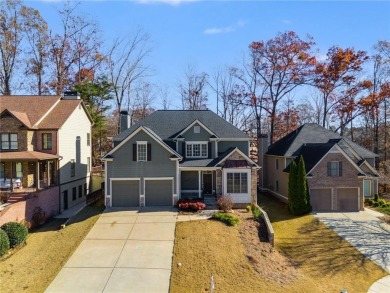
{"x": 364, "y": 231}
{"x": 127, "y": 250}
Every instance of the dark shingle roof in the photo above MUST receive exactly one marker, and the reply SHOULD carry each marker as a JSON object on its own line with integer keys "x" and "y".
{"x": 169, "y": 123}
{"x": 310, "y": 133}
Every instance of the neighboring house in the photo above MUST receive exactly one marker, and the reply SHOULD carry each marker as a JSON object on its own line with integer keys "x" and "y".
{"x": 46, "y": 144}
{"x": 340, "y": 173}
{"x": 179, "y": 154}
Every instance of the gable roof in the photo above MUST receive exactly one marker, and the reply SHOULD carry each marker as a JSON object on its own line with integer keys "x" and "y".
{"x": 311, "y": 133}
{"x": 22, "y": 117}
{"x": 168, "y": 124}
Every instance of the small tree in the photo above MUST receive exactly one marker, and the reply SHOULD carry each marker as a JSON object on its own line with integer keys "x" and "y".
{"x": 303, "y": 198}
{"x": 292, "y": 187}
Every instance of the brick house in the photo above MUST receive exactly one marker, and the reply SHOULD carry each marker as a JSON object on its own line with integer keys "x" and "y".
{"x": 340, "y": 173}
{"x": 45, "y": 148}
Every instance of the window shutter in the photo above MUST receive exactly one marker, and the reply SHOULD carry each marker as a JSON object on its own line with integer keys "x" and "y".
{"x": 134, "y": 152}
{"x": 329, "y": 171}
{"x": 209, "y": 150}
{"x": 340, "y": 169}
{"x": 183, "y": 149}
{"x": 149, "y": 152}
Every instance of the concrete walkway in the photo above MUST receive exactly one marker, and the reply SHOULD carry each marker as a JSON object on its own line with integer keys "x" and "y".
{"x": 127, "y": 250}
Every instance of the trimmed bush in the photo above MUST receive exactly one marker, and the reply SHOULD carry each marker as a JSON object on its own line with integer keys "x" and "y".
{"x": 227, "y": 218}
{"x": 17, "y": 233}
{"x": 376, "y": 197}
{"x": 225, "y": 203}
{"x": 248, "y": 208}
{"x": 191, "y": 204}
{"x": 4, "y": 242}
{"x": 256, "y": 212}
{"x": 38, "y": 217}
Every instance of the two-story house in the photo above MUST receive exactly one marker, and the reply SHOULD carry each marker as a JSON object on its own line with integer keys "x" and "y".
{"x": 46, "y": 144}
{"x": 340, "y": 173}
{"x": 175, "y": 154}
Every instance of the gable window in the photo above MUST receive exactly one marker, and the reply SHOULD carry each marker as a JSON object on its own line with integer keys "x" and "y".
{"x": 335, "y": 169}
{"x": 46, "y": 141}
{"x": 141, "y": 151}
{"x": 196, "y": 129}
{"x": 196, "y": 150}
{"x": 237, "y": 182}
{"x": 9, "y": 141}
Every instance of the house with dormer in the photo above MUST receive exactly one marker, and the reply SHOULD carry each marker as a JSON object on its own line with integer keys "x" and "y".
{"x": 174, "y": 154}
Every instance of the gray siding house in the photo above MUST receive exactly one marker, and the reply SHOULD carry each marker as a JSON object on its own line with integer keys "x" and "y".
{"x": 175, "y": 154}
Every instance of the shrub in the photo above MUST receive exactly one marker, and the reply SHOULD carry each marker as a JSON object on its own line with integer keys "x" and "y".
{"x": 17, "y": 233}
{"x": 227, "y": 218}
{"x": 225, "y": 202}
{"x": 4, "y": 242}
{"x": 191, "y": 204}
{"x": 38, "y": 217}
{"x": 376, "y": 197}
{"x": 248, "y": 208}
{"x": 370, "y": 202}
{"x": 256, "y": 212}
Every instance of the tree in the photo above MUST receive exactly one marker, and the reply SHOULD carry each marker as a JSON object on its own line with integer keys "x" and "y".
{"x": 336, "y": 77}
{"x": 282, "y": 64}
{"x": 11, "y": 34}
{"x": 142, "y": 106}
{"x": 303, "y": 197}
{"x": 292, "y": 187}
{"x": 193, "y": 90}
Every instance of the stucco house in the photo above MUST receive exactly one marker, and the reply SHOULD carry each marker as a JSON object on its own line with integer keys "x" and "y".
{"x": 174, "y": 154}
{"x": 340, "y": 173}
{"x": 46, "y": 148}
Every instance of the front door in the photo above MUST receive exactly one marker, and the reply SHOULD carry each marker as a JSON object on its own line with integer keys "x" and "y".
{"x": 207, "y": 183}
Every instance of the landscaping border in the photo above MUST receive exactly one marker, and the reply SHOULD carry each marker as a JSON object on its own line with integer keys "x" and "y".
{"x": 270, "y": 230}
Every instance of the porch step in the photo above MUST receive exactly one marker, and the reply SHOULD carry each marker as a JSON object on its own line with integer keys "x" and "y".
{"x": 211, "y": 202}
{"x": 14, "y": 198}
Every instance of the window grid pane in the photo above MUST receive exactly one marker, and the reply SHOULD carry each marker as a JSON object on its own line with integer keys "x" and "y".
{"x": 204, "y": 150}
{"x": 244, "y": 183}
{"x": 236, "y": 181}
{"x": 189, "y": 150}
{"x": 142, "y": 152}
{"x": 229, "y": 183}
{"x": 196, "y": 150}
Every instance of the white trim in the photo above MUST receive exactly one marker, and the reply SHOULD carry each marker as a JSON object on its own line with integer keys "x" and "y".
{"x": 159, "y": 179}
{"x": 369, "y": 167}
{"x": 141, "y": 128}
{"x": 145, "y": 143}
{"x": 216, "y": 149}
{"x": 199, "y": 184}
{"x": 242, "y": 154}
{"x": 199, "y": 168}
{"x": 356, "y": 155}
{"x": 192, "y": 124}
{"x": 105, "y": 184}
{"x": 236, "y": 170}
{"x": 200, "y": 143}
{"x": 178, "y": 178}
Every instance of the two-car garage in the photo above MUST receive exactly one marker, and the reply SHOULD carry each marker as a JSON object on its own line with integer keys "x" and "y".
{"x": 134, "y": 192}
{"x": 335, "y": 199}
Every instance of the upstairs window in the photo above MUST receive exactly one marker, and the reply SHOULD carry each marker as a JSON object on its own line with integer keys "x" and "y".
{"x": 46, "y": 141}
{"x": 335, "y": 169}
{"x": 9, "y": 141}
{"x": 142, "y": 151}
{"x": 196, "y": 150}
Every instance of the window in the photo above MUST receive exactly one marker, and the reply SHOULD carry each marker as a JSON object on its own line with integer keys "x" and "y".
{"x": 9, "y": 141}
{"x": 277, "y": 164}
{"x": 196, "y": 150}
{"x": 367, "y": 187}
{"x": 72, "y": 168}
{"x": 46, "y": 141}
{"x": 141, "y": 151}
{"x": 80, "y": 190}
{"x": 88, "y": 139}
{"x": 19, "y": 171}
{"x": 335, "y": 169}
{"x": 237, "y": 183}
{"x": 74, "y": 195}
{"x": 88, "y": 164}
{"x": 196, "y": 129}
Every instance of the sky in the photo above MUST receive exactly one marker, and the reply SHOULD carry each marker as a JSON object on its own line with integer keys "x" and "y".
{"x": 211, "y": 34}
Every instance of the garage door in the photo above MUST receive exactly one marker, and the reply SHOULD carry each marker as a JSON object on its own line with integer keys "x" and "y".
{"x": 321, "y": 199}
{"x": 158, "y": 192}
{"x": 125, "y": 193}
{"x": 347, "y": 199}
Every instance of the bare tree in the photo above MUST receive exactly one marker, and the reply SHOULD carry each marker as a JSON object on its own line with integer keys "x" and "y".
{"x": 144, "y": 97}
{"x": 126, "y": 65}
{"x": 193, "y": 90}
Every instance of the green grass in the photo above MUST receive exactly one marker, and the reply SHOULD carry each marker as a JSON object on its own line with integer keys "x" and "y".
{"x": 32, "y": 268}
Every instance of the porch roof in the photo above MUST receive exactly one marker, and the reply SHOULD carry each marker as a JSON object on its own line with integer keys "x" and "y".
{"x": 27, "y": 156}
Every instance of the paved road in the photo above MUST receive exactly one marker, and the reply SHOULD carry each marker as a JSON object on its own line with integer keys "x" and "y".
{"x": 364, "y": 231}
{"x": 127, "y": 250}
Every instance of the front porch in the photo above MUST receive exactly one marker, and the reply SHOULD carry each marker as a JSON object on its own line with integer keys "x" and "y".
{"x": 199, "y": 183}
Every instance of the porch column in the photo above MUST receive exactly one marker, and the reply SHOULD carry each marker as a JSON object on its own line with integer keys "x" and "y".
{"x": 48, "y": 173}
{"x": 199, "y": 183}
{"x": 38, "y": 183}
{"x": 12, "y": 176}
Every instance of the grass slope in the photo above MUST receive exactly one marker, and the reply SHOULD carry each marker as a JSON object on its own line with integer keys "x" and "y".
{"x": 33, "y": 267}
{"x": 324, "y": 262}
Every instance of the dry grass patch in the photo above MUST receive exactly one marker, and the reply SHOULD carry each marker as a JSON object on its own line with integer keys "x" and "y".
{"x": 34, "y": 266}
{"x": 310, "y": 256}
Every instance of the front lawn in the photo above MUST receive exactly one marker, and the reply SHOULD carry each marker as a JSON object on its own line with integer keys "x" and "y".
{"x": 309, "y": 258}
{"x": 33, "y": 267}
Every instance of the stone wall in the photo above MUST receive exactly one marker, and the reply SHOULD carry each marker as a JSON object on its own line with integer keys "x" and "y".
{"x": 26, "y": 138}
{"x": 218, "y": 182}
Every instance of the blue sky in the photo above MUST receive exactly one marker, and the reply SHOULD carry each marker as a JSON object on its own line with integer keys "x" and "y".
{"x": 210, "y": 34}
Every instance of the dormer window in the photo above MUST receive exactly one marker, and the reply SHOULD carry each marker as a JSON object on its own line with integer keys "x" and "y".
{"x": 196, "y": 129}
{"x": 196, "y": 150}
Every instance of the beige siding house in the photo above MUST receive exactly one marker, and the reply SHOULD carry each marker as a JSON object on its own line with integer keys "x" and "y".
{"x": 340, "y": 173}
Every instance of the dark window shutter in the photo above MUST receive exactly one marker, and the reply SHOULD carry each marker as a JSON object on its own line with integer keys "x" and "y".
{"x": 209, "y": 150}
{"x": 329, "y": 171}
{"x": 134, "y": 152}
{"x": 340, "y": 169}
{"x": 149, "y": 151}
{"x": 183, "y": 149}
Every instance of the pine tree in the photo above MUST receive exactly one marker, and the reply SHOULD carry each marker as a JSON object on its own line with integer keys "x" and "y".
{"x": 302, "y": 197}
{"x": 292, "y": 187}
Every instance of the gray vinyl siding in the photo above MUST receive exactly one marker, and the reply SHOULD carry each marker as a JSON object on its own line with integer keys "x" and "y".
{"x": 123, "y": 165}
{"x": 223, "y": 146}
{"x": 189, "y": 135}
{"x": 189, "y": 180}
